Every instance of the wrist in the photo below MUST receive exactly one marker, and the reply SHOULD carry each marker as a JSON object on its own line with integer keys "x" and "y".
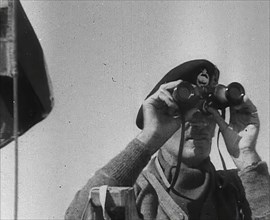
{"x": 246, "y": 158}
{"x": 152, "y": 141}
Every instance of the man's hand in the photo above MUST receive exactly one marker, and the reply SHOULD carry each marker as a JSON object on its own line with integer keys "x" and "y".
{"x": 161, "y": 117}
{"x": 241, "y": 134}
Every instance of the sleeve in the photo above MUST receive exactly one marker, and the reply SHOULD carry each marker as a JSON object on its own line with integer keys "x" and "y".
{"x": 122, "y": 170}
{"x": 256, "y": 182}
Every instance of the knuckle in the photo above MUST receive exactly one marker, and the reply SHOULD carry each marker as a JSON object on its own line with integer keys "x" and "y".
{"x": 161, "y": 95}
{"x": 162, "y": 86}
{"x": 162, "y": 91}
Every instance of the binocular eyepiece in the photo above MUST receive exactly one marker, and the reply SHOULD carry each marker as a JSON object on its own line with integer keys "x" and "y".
{"x": 188, "y": 96}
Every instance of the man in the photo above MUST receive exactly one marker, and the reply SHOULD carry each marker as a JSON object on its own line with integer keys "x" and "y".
{"x": 196, "y": 190}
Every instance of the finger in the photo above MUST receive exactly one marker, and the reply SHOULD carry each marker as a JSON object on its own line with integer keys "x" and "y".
{"x": 171, "y": 107}
{"x": 246, "y": 107}
{"x": 170, "y": 85}
{"x": 219, "y": 120}
{"x": 166, "y": 97}
{"x": 251, "y": 107}
{"x": 247, "y": 110}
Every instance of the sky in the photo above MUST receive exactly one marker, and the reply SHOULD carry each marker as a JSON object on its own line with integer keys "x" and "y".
{"x": 103, "y": 58}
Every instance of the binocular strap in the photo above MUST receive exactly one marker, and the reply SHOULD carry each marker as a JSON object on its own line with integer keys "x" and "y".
{"x": 218, "y": 135}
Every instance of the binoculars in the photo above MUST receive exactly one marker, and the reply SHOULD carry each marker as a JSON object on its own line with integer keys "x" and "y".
{"x": 188, "y": 96}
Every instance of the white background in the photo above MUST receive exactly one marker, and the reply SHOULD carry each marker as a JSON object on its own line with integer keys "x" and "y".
{"x": 103, "y": 59}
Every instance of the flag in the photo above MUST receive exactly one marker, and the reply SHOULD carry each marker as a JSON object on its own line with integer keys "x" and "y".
{"x": 35, "y": 100}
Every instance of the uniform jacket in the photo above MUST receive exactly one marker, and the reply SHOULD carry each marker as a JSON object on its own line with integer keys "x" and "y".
{"x": 232, "y": 195}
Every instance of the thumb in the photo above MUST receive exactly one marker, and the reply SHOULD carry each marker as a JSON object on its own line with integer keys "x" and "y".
{"x": 231, "y": 137}
{"x": 219, "y": 120}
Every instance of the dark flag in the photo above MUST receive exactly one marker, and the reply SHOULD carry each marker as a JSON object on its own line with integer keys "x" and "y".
{"x": 35, "y": 100}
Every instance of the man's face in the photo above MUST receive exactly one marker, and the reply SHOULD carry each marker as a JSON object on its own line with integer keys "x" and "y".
{"x": 199, "y": 131}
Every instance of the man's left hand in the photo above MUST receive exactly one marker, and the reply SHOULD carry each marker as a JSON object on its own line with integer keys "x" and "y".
{"x": 241, "y": 134}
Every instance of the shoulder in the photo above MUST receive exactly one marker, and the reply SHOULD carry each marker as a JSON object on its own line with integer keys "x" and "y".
{"x": 230, "y": 183}
{"x": 225, "y": 174}
{"x": 226, "y": 177}
{"x": 142, "y": 184}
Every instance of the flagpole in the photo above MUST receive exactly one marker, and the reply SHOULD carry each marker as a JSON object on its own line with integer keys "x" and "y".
{"x": 14, "y": 72}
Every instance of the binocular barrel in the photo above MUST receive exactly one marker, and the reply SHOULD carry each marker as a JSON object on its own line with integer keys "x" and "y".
{"x": 231, "y": 95}
{"x": 187, "y": 96}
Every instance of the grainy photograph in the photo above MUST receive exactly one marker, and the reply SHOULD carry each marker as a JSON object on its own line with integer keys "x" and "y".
{"x": 134, "y": 110}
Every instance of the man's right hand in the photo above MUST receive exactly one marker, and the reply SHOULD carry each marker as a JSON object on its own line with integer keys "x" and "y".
{"x": 160, "y": 113}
